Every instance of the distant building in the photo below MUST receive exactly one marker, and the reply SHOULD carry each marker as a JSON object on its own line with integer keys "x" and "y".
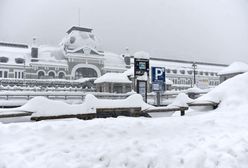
{"x": 181, "y": 73}
{"x": 80, "y": 56}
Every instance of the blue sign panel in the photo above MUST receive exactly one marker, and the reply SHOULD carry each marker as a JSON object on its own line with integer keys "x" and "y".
{"x": 158, "y": 74}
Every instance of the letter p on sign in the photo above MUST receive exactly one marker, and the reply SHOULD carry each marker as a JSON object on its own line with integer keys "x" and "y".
{"x": 158, "y": 74}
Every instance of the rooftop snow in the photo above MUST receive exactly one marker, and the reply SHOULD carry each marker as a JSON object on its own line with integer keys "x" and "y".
{"x": 113, "y": 61}
{"x": 79, "y": 29}
{"x": 141, "y": 54}
{"x": 113, "y": 78}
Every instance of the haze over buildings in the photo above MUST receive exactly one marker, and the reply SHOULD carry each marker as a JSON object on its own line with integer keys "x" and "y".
{"x": 205, "y": 30}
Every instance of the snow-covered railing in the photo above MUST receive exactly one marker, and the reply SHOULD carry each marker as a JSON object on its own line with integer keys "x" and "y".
{"x": 7, "y": 95}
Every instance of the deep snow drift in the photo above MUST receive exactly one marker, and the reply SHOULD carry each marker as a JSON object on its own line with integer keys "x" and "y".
{"x": 216, "y": 139}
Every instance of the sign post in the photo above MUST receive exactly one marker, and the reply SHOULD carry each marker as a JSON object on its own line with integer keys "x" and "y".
{"x": 158, "y": 82}
{"x": 141, "y": 76}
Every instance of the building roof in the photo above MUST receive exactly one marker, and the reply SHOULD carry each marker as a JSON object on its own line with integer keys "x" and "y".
{"x": 236, "y": 67}
{"x": 79, "y": 29}
{"x": 13, "y": 45}
{"x": 188, "y": 62}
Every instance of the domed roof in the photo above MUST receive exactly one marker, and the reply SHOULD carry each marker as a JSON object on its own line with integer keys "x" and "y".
{"x": 79, "y": 37}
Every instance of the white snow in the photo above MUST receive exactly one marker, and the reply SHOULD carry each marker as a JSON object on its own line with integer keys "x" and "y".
{"x": 129, "y": 72}
{"x": 113, "y": 62}
{"x": 194, "y": 89}
{"x": 168, "y": 82}
{"x": 236, "y": 67}
{"x": 185, "y": 66}
{"x": 217, "y": 139}
{"x": 232, "y": 92}
{"x": 90, "y": 104}
{"x": 181, "y": 101}
{"x": 113, "y": 78}
{"x": 142, "y": 54}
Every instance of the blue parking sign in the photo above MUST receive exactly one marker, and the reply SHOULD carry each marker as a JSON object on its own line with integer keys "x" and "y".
{"x": 158, "y": 74}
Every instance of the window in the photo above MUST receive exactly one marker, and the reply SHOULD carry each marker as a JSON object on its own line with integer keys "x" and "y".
{"x": 4, "y": 59}
{"x": 61, "y": 75}
{"x": 5, "y": 74}
{"x": 168, "y": 70}
{"x": 41, "y": 75}
{"x": 206, "y": 73}
{"x": 18, "y": 74}
{"x": 182, "y": 71}
{"x": 201, "y": 73}
{"x": 189, "y": 82}
{"x": 51, "y": 74}
{"x": 19, "y": 60}
{"x": 174, "y": 71}
{"x": 85, "y": 73}
{"x": 190, "y": 72}
{"x": 72, "y": 39}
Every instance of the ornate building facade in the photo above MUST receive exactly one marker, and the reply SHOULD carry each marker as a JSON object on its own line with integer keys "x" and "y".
{"x": 79, "y": 56}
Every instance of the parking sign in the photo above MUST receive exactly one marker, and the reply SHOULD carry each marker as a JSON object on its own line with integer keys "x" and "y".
{"x": 158, "y": 74}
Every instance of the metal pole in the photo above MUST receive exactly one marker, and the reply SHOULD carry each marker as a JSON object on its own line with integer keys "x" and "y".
{"x": 194, "y": 71}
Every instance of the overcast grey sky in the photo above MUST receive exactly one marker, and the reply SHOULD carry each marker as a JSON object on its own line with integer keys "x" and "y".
{"x": 200, "y": 30}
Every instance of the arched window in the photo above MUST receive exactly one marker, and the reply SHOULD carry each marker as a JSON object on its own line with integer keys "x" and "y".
{"x": 61, "y": 75}
{"x": 85, "y": 73}
{"x": 4, "y": 59}
{"x": 190, "y": 72}
{"x": 19, "y": 60}
{"x": 182, "y": 71}
{"x": 51, "y": 74}
{"x": 41, "y": 75}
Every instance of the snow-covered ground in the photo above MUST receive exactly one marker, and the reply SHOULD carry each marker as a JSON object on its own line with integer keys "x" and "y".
{"x": 213, "y": 139}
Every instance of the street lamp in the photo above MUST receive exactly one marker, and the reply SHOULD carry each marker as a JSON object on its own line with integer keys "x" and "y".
{"x": 194, "y": 71}
{"x": 24, "y": 71}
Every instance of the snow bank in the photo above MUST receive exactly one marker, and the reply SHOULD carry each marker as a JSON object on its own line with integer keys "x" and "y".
{"x": 231, "y": 93}
{"x": 194, "y": 89}
{"x": 181, "y": 101}
{"x": 203, "y": 141}
{"x": 41, "y": 106}
{"x": 218, "y": 139}
{"x": 236, "y": 67}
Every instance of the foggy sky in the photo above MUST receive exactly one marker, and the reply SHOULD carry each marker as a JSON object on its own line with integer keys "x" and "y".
{"x": 199, "y": 30}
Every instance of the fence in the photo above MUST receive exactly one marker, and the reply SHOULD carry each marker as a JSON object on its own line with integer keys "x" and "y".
{"x": 17, "y": 98}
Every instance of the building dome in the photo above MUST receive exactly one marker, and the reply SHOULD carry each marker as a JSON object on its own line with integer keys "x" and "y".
{"x": 77, "y": 37}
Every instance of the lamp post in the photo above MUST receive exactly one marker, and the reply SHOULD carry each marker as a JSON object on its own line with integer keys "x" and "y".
{"x": 194, "y": 71}
{"x": 24, "y": 71}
